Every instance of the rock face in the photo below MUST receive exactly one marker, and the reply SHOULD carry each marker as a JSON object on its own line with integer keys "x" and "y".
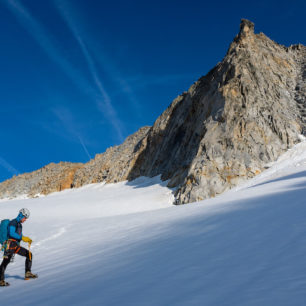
{"x": 242, "y": 115}
{"x": 51, "y": 178}
{"x": 114, "y": 165}
{"x": 111, "y": 166}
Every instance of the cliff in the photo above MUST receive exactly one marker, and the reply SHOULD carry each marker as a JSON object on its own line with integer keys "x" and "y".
{"x": 226, "y": 128}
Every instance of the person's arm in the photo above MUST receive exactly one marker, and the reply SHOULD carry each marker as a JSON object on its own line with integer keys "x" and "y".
{"x": 13, "y": 234}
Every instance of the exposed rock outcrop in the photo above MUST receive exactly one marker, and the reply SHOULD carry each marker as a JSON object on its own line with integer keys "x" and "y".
{"x": 51, "y": 178}
{"x": 115, "y": 164}
{"x": 111, "y": 166}
{"x": 243, "y": 114}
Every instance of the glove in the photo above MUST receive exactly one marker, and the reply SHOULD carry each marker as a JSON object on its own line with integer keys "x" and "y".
{"x": 26, "y": 239}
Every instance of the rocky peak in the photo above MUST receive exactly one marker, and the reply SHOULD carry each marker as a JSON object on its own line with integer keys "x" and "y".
{"x": 242, "y": 115}
{"x": 246, "y": 28}
{"x": 226, "y": 128}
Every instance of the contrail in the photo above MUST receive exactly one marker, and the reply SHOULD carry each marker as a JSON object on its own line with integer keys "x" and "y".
{"x": 42, "y": 38}
{"x": 68, "y": 16}
{"x": 93, "y": 71}
{"x": 116, "y": 76}
{"x": 8, "y": 166}
{"x": 65, "y": 117}
{"x": 83, "y": 145}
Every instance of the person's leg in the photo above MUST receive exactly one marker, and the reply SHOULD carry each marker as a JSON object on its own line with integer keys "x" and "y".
{"x": 5, "y": 262}
{"x": 10, "y": 247}
{"x": 29, "y": 257}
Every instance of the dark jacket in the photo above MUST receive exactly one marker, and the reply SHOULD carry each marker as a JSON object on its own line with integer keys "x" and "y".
{"x": 15, "y": 228}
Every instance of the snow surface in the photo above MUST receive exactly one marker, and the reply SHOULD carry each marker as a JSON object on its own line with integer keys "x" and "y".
{"x": 125, "y": 244}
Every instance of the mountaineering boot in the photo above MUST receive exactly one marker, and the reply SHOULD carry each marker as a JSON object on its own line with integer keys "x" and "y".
{"x": 4, "y": 283}
{"x": 30, "y": 275}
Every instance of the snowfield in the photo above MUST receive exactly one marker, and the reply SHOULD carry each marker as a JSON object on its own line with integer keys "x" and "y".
{"x": 126, "y": 244}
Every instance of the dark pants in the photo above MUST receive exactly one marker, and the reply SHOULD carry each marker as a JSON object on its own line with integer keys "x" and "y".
{"x": 8, "y": 256}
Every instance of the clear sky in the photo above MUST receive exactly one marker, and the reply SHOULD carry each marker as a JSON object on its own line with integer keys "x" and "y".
{"x": 79, "y": 76}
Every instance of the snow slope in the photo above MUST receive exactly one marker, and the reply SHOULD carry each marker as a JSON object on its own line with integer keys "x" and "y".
{"x": 125, "y": 244}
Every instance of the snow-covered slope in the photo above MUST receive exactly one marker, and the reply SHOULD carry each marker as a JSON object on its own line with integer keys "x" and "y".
{"x": 125, "y": 244}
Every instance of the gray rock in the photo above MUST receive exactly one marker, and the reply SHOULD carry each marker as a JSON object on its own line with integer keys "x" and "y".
{"x": 243, "y": 114}
{"x": 51, "y": 178}
{"x": 114, "y": 165}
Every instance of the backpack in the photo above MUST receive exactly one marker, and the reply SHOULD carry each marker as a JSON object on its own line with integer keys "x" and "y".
{"x": 4, "y": 230}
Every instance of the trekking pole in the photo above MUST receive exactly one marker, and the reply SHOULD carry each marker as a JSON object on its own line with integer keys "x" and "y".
{"x": 30, "y": 254}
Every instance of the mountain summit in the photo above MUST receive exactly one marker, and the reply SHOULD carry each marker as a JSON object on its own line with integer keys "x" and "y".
{"x": 226, "y": 128}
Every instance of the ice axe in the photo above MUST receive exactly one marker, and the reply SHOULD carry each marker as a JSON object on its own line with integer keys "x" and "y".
{"x": 30, "y": 254}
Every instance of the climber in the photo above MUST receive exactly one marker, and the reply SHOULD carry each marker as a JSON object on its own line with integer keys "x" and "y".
{"x": 12, "y": 246}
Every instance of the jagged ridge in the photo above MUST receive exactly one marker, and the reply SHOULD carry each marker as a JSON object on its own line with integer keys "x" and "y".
{"x": 242, "y": 115}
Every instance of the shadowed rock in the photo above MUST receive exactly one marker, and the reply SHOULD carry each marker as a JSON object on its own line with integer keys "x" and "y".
{"x": 243, "y": 114}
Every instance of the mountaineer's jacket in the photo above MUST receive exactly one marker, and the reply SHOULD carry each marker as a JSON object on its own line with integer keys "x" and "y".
{"x": 15, "y": 228}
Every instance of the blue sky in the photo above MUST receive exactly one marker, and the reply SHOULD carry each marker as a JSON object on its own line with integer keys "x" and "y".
{"x": 79, "y": 76}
